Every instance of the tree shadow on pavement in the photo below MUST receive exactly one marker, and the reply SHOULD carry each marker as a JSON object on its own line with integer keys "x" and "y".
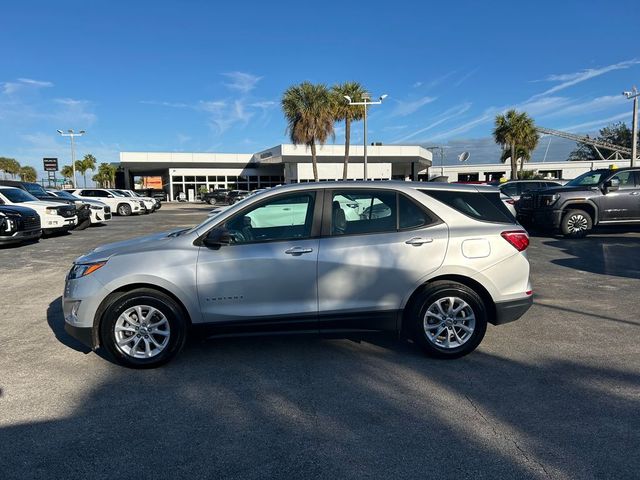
{"x": 278, "y": 407}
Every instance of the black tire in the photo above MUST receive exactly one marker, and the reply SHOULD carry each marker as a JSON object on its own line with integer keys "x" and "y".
{"x": 124, "y": 209}
{"x": 441, "y": 291}
{"x": 212, "y": 201}
{"x": 151, "y": 298}
{"x": 576, "y": 224}
{"x": 83, "y": 225}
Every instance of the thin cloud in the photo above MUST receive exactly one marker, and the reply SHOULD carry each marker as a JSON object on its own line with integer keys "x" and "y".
{"x": 597, "y": 104}
{"x": 465, "y": 77}
{"x": 407, "y": 108}
{"x": 596, "y": 123}
{"x": 11, "y": 88}
{"x": 241, "y": 81}
{"x": 165, "y": 104}
{"x": 449, "y": 114}
{"x": 569, "y": 79}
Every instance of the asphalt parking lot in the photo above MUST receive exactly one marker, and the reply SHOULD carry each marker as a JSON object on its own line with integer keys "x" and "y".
{"x": 553, "y": 395}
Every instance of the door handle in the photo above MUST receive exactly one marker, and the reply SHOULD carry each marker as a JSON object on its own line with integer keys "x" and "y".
{"x": 298, "y": 250}
{"x": 417, "y": 241}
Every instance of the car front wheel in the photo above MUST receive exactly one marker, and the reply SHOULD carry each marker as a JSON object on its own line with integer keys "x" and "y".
{"x": 124, "y": 209}
{"x": 143, "y": 328}
{"x": 212, "y": 201}
{"x": 449, "y": 320}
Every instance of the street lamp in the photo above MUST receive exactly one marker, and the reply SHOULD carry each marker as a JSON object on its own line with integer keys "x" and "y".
{"x": 366, "y": 101}
{"x": 634, "y": 127}
{"x": 70, "y": 133}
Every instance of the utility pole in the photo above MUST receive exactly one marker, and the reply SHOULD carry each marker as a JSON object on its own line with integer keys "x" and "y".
{"x": 634, "y": 124}
{"x": 70, "y": 133}
{"x": 366, "y": 101}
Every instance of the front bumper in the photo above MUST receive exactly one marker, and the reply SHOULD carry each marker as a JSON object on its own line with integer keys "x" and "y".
{"x": 543, "y": 218}
{"x": 512, "y": 310}
{"x": 20, "y": 236}
{"x": 82, "y": 334}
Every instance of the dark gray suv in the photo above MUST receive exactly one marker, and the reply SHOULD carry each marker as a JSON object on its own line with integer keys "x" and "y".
{"x": 598, "y": 197}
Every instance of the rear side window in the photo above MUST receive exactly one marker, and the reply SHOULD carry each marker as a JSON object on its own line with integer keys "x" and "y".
{"x": 363, "y": 211}
{"x": 483, "y": 206}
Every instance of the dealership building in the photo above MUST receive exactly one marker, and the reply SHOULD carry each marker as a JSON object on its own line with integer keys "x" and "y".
{"x": 189, "y": 173}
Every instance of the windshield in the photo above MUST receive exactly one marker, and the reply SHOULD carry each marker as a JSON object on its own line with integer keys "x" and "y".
{"x": 15, "y": 195}
{"x": 63, "y": 194}
{"x": 590, "y": 178}
{"x": 35, "y": 189}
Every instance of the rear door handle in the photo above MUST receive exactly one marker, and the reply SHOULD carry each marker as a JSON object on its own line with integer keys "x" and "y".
{"x": 298, "y": 250}
{"x": 417, "y": 241}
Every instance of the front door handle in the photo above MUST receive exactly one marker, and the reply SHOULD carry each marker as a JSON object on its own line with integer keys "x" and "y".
{"x": 417, "y": 241}
{"x": 298, "y": 250}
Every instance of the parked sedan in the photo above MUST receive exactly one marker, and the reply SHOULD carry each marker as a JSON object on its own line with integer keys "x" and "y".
{"x": 18, "y": 224}
{"x": 437, "y": 264}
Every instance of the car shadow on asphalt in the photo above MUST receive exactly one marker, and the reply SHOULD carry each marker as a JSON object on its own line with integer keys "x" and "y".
{"x": 606, "y": 255}
{"x": 283, "y": 407}
{"x": 55, "y": 320}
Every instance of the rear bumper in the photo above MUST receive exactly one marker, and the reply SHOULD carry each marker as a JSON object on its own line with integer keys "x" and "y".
{"x": 512, "y": 310}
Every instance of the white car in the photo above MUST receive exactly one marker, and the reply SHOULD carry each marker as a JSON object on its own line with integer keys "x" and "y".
{"x": 100, "y": 212}
{"x": 120, "y": 205}
{"x": 54, "y": 217}
{"x": 149, "y": 203}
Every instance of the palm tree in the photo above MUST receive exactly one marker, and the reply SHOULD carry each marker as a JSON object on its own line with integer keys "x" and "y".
{"x": 516, "y": 132}
{"x": 28, "y": 174}
{"x": 106, "y": 175}
{"x": 10, "y": 166}
{"x": 67, "y": 172}
{"x": 87, "y": 163}
{"x": 344, "y": 111}
{"x": 308, "y": 109}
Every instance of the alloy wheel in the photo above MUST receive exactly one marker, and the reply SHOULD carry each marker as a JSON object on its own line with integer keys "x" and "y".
{"x": 577, "y": 223}
{"x": 142, "y": 332}
{"x": 449, "y": 322}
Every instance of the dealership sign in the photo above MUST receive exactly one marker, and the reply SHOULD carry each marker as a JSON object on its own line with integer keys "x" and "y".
{"x": 50, "y": 164}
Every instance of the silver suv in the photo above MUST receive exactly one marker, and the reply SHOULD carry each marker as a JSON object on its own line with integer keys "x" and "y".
{"x": 434, "y": 262}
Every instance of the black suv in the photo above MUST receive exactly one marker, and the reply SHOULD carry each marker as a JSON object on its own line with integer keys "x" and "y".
{"x": 598, "y": 197}
{"x": 18, "y": 224}
{"x": 215, "y": 196}
{"x": 82, "y": 210}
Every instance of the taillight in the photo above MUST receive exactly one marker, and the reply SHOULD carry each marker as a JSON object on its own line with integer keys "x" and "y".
{"x": 517, "y": 238}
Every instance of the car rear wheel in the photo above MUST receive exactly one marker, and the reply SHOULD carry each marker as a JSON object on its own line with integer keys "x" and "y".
{"x": 576, "y": 224}
{"x": 124, "y": 209}
{"x": 449, "y": 320}
{"x": 143, "y": 328}
{"x": 212, "y": 201}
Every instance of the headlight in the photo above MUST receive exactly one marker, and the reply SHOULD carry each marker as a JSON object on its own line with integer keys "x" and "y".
{"x": 52, "y": 210}
{"x": 83, "y": 269}
{"x": 548, "y": 200}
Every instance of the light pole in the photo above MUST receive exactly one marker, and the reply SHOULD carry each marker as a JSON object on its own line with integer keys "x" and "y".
{"x": 366, "y": 101}
{"x": 634, "y": 124}
{"x": 70, "y": 133}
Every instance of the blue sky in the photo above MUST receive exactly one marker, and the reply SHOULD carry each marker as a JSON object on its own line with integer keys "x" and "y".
{"x": 208, "y": 76}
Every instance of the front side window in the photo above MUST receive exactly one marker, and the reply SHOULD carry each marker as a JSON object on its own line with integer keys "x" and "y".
{"x": 510, "y": 189}
{"x": 363, "y": 211}
{"x": 626, "y": 179}
{"x": 284, "y": 218}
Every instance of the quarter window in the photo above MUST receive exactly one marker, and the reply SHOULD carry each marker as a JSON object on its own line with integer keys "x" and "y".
{"x": 284, "y": 218}
{"x": 411, "y": 215}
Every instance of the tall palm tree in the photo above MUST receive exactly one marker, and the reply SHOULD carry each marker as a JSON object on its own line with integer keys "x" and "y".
{"x": 87, "y": 163}
{"x": 344, "y": 111}
{"x": 308, "y": 109}
{"x": 28, "y": 174}
{"x": 67, "y": 172}
{"x": 516, "y": 131}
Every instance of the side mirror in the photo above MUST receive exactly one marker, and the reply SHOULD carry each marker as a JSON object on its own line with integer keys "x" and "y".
{"x": 216, "y": 238}
{"x": 611, "y": 185}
